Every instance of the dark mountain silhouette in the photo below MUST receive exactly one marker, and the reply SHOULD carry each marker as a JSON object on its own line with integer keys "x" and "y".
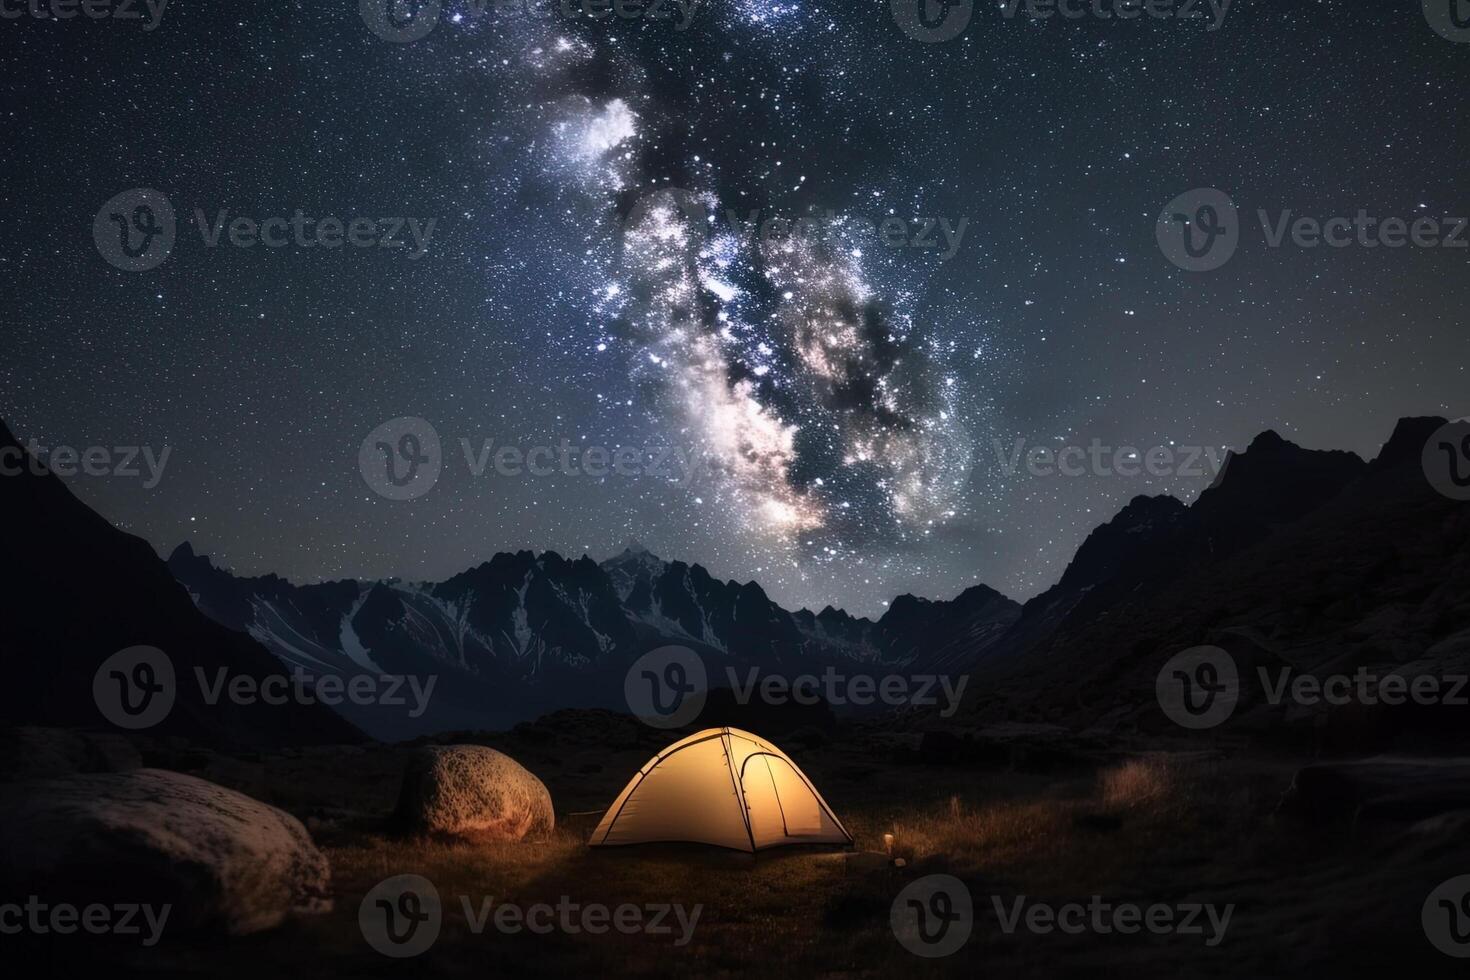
{"x": 1158, "y": 540}
{"x": 524, "y": 634}
{"x": 1317, "y": 562}
{"x": 1285, "y": 545}
{"x": 1314, "y": 559}
{"x": 79, "y": 590}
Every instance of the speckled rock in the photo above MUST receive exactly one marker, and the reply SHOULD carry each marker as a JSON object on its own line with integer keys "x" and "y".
{"x": 475, "y": 791}
{"x": 222, "y": 860}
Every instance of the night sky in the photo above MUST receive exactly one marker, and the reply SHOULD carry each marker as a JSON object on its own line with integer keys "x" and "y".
{"x": 844, "y": 394}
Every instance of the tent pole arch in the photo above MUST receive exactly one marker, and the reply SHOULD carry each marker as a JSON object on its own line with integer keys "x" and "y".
{"x": 739, "y": 787}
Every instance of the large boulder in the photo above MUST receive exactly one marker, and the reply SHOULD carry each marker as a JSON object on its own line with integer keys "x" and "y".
{"x": 221, "y": 860}
{"x": 473, "y": 790}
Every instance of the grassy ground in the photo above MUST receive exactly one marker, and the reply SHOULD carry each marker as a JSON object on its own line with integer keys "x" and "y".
{"x": 1146, "y": 828}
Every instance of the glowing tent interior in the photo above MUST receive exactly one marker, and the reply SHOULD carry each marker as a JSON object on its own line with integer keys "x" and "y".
{"x": 720, "y": 786}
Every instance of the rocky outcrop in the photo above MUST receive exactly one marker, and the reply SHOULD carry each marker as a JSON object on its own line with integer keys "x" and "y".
{"x": 219, "y": 860}
{"x": 473, "y": 790}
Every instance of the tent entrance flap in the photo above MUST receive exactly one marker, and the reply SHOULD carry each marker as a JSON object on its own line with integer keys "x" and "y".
{"x": 778, "y": 800}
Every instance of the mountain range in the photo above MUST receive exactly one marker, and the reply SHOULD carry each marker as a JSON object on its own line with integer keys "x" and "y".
{"x": 522, "y": 634}
{"x": 1316, "y": 559}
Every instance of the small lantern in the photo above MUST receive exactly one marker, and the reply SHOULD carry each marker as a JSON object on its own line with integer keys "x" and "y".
{"x": 888, "y": 844}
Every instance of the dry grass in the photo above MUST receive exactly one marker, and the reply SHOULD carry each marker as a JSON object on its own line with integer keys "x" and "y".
{"x": 1139, "y": 782}
{"x": 1051, "y": 835}
{"x": 1150, "y": 828}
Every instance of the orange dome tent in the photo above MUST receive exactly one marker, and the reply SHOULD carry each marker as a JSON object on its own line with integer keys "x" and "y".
{"x": 721, "y": 786}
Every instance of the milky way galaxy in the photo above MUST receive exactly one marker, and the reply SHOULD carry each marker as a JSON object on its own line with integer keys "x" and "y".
{"x": 820, "y": 424}
{"x": 842, "y": 281}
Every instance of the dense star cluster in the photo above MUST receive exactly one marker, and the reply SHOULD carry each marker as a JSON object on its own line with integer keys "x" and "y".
{"x": 830, "y": 283}
{"x": 818, "y": 422}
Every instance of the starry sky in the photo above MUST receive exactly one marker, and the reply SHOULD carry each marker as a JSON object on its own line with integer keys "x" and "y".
{"x": 978, "y": 266}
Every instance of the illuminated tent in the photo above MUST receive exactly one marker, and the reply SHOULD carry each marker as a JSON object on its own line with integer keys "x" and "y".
{"x": 725, "y": 787}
